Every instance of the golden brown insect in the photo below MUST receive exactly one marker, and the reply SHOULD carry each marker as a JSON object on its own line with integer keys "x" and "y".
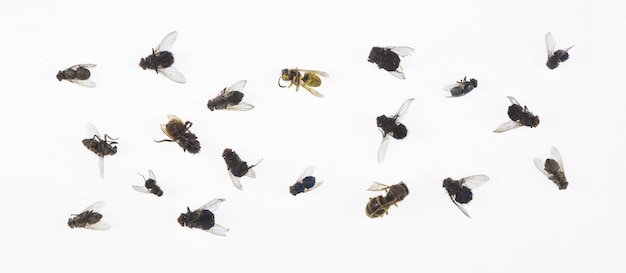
{"x": 178, "y": 131}
{"x": 309, "y": 79}
{"x": 379, "y": 205}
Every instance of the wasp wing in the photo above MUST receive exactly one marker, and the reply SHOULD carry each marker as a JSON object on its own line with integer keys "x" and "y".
{"x": 554, "y": 153}
{"x": 173, "y": 74}
{"x": 507, "y": 126}
{"x": 307, "y": 172}
{"x": 382, "y": 148}
{"x": 317, "y": 72}
{"x": 312, "y": 91}
{"x": 403, "y": 109}
{"x": 474, "y": 181}
{"x": 212, "y": 205}
{"x": 402, "y": 51}
{"x": 235, "y": 181}
{"x": 541, "y": 166}
{"x": 242, "y": 106}
{"x": 218, "y": 230}
{"x": 460, "y": 206}
{"x": 167, "y": 42}
{"x": 376, "y": 186}
{"x": 550, "y": 44}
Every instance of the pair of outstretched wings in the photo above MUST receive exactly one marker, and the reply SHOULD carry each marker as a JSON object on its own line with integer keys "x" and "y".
{"x": 384, "y": 143}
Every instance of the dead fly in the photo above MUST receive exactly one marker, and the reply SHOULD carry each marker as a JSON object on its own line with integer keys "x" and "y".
{"x": 462, "y": 87}
{"x": 553, "y": 168}
{"x": 388, "y": 58}
{"x": 520, "y": 116}
{"x": 99, "y": 146}
{"x": 89, "y": 218}
{"x": 161, "y": 59}
{"x": 230, "y": 99}
{"x": 391, "y": 127}
{"x": 306, "y": 182}
{"x": 237, "y": 167}
{"x": 460, "y": 191}
{"x": 203, "y": 218}
{"x": 379, "y": 205}
{"x": 555, "y": 57}
{"x": 78, "y": 74}
{"x": 309, "y": 79}
{"x": 150, "y": 185}
{"x": 178, "y": 131}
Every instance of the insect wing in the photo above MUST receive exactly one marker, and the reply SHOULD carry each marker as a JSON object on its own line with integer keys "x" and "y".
{"x": 151, "y": 175}
{"x": 403, "y": 109}
{"x": 313, "y": 91}
{"x": 142, "y": 189}
{"x": 95, "y": 207}
{"x": 554, "y": 153}
{"x": 170, "y": 118}
{"x": 235, "y": 181}
{"x": 167, "y": 43}
{"x": 460, "y": 206}
{"x": 250, "y": 173}
{"x": 398, "y": 74}
{"x": 212, "y": 205}
{"x": 92, "y": 131}
{"x": 513, "y": 100}
{"x": 238, "y": 86}
{"x": 382, "y": 148}
{"x": 317, "y": 72}
{"x": 83, "y": 66}
{"x": 86, "y": 83}
{"x": 307, "y": 172}
{"x": 173, "y": 74}
{"x": 242, "y": 106}
{"x": 377, "y": 187}
{"x": 507, "y": 126}
{"x": 550, "y": 44}
{"x": 449, "y": 87}
{"x": 541, "y": 166}
{"x": 101, "y": 165}
{"x": 317, "y": 184}
{"x": 474, "y": 181}
{"x": 402, "y": 51}
{"x": 218, "y": 230}
{"x": 99, "y": 226}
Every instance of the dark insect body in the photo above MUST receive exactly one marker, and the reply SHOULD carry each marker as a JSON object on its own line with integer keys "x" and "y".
{"x": 78, "y": 74}
{"x": 89, "y": 218}
{"x": 462, "y": 87}
{"x": 178, "y": 131}
{"x": 305, "y": 183}
{"x": 237, "y": 167}
{"x": 99, "y": 146}
{"x": 460, "y": 191}
{"x": 520, "y": 116}
{"x": 379, "y": 205}
{"x": 230, "y": 99}
{"x": 203, "y": 218}
{"x": 391, "y": 127}
{"x": 388, "y": 58}
{"x": 309, "y": 79}
{"x": 161, "y": 60}
{"x": 553, "y": 168}
{"x": 555, "y": 57}
{"x": 150, "y": 185}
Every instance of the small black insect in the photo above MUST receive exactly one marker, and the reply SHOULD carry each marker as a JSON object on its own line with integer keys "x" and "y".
{"x": 520, "y": 116}
{"x": 89, "y": 218}
{"x": 237, "y": 167}
{"x": 379, "y": 205}
{"x": 230, "y": 99}
{"x": 306, "y": 182}
{"x": 460, "y": 191}
{"x": 99, "y": 146}
{"x": 462, "y": 87}
{"x": 391, "y": 127}
{"x": 553, "y": 168}
{"x": 161, "y": 59}
{"x": 555, "y": 57}
{"x": 150, "y": 185}
{"x": 178, "y": 131}
{"x": 388, "y": 58}
{"x": 78, "y": 74}
{"x": 203, "y": 218}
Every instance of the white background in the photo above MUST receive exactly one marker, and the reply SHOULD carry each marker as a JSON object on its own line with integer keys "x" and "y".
{"x": 521, "y": 221}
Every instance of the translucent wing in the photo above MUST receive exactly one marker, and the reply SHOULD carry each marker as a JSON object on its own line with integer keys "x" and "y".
{"x": 212, "y": 205}
{"x": 403, "y": 109}
{"x": 142, "y": 189}
{"x": 218, "y": 230}
{"x": 554, "y": 154}
{"x": 101, "y": 165}
{"x": 100, "y": 225}
{"x": 550, "y": 44}
{"x": 313, "y": 91}
{"x": 242, "y": 106}
{"x": 250, "y": 173}
{"x": 317, "y": 184}
{"x": 319, "y": 73}
{"x": 507, "y": 126}
{"x": 377, "y": 187}
{"x": 167, "y": 43}
{"x": 474, "y": 181}
{"x": 74, "y": 67}
{"x": 95, "y": 207}
{"x": 307, "y": 172}
{"x": 447, "y": 88}
{"x": 92, "y": 131}
{"x": 382, "y": 148}
{"x": 541, "y": 166}
{"x": 238, "y": 86}
{"x": 235, "y": 181}
{"x": 402, "y": 51}
{"x": 460, "y": 206}
{"x": 513, "y": 100}
{"x": 151, "y": 175}
{"x": 172, "y": 73}
{"x": 86, "y": 83}
{"x": 398, "y": 74}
